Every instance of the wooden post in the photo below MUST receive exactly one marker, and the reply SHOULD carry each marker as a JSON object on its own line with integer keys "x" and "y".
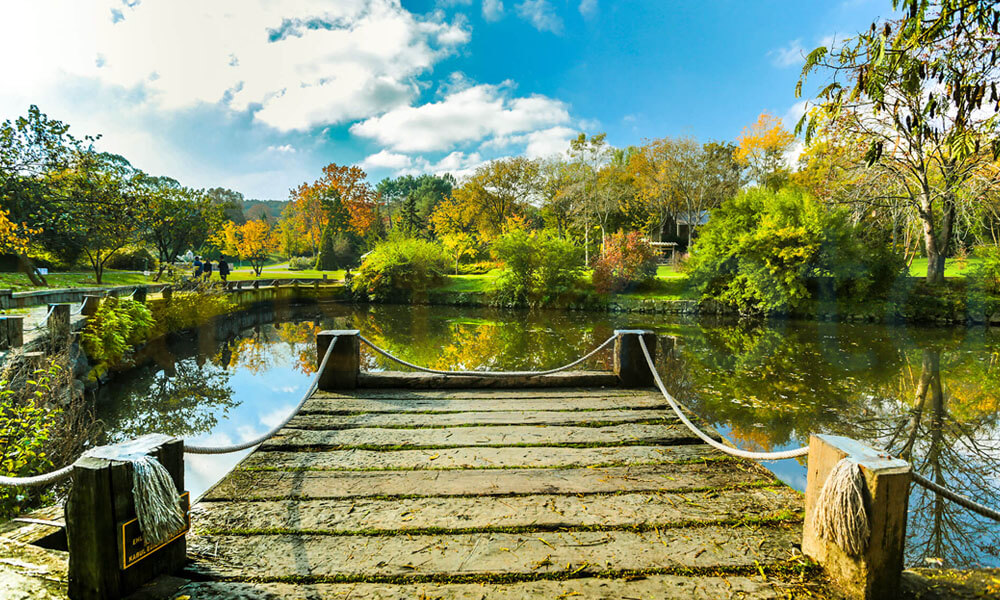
{"x": 90, "y": 305}
{"x": 342, "y": 369}
{"x": 11, "y": 332}
{"x": 167, "y": 293}
{"x": 58, "y": 325}
{"x": 256, "y": 284}
{"x": 140, "y": 294}
{"x": 99, "y": 510}
{"x": 876, "y": 573}
{"x": 6, "y": 298}
{"x": 630, "y": 363}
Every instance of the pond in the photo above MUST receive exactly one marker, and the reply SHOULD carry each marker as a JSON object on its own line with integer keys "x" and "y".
{"x": 930, "y": 395}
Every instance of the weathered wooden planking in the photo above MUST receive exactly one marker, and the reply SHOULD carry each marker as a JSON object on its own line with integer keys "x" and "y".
{"x": 508, "y": 435}
{"x": 661, "y": 587}
{"x": 479, "y": 458}
{"x": 270, "y": 557}
{"x": 243, "y": 485}
{"x": 405, "y": 396}
{"x": 348, "y": 405}
{"x": 462, "y": 419}
{"x": 398, "y": 379}
{"x": 543, "y": 511}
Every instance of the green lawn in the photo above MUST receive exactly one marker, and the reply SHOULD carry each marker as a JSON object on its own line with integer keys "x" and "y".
{"x": 19, "y": 281}
{"x": 469, "y": 283}
{"x": 952, "y": 267}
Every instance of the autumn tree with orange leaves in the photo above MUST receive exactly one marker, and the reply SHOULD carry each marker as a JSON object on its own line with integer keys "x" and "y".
{"x": 252, "y": 241}
{"x": 761, "y": 148}
{"x": 341, "y": 199}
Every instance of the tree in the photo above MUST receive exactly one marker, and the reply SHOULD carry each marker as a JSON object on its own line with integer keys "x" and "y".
{"x": 589, "y": 154}
{"x": 761, "y": 148}
{"x": 253, "y": 241}
{"x": 409, "y": 219}
{"x": 426, "y": 190}
{"x": 913, "y": 90}
{"x": 106, "y": 203}
{"x": 498, "y": 190}
{"x": 655, "y": 203}
{"x": 230, "y": 201}
{"x": 456, "y": 225}
{"x": 14, "y": 237}
{"x": 179, "y": 218}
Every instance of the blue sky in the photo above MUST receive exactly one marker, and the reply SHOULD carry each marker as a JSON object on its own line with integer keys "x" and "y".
{"x": 258, "y": 95}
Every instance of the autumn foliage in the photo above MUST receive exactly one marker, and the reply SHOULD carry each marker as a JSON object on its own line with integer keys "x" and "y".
{"x": 253, "y": 241}
{"x": 627, "y": 259}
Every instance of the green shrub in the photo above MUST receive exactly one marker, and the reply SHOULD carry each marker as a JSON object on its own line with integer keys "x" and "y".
{"x": 984, "y": 281}
{"x": 766, "y": 252}
{"x": 626, "y": 260}
{"x": 119, "y": 324}
{"x": 399, "y": 267}
{"x": 538, "y": 267}
{"x": 337, "y": 251}
{"x": 478, "y": 268}
{"x": 300, "y": 263}
{"x": 133, "y": 258}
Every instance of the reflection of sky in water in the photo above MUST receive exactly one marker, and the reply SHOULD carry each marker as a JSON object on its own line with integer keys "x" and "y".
{"x": 265, "y": 399}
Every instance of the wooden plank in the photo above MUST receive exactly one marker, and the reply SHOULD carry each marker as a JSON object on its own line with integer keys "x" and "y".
{"x": 342, "y": 406}
{"x": 661, "y": 587}
{"x": 486, "y": 394}
{"x": 540, "y": 417}
{"x": 243, "y": 485}
{"x": 509, "y": 435}
{"x": 398, "y": 379}
{"x": 540, "y": 512}
{"x": 479, "y": 458}
{"x": 269, "y": 557}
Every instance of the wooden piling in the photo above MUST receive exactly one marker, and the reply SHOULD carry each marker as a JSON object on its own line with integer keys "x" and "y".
{"x": 58, "y": 325}
{"x": 90, "y": 305}
{"x": 99, "y": 510}
{"x": 876, "y": 573}
{"x": 140, "y": 294}
{"x": 167, "y": 293}
{"x": 630, "y": 362}
{"x": 344, "y": 365}
{"x": 11, "y": 332}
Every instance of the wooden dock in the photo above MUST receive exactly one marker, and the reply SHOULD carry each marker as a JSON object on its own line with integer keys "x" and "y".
{"x": 545, "y": 491}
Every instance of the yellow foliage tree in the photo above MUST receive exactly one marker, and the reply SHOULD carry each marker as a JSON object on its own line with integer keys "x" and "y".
{"x": 14, "y": 238}
{"x": 761, "y": 148}
{"x": 253, "y": 241}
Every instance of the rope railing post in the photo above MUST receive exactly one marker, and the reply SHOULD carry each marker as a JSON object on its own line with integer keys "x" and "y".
{"x": 875, "y": 571}
{"x": 58, "y": 325}
{"x": 630, "y": 364}
{"x": 11, "y": 331}
{"x": 140, "y": 293}
{"x": 90, "y": 305}
{"x": 104, "y": 525}
{"x": 342, "y": 369}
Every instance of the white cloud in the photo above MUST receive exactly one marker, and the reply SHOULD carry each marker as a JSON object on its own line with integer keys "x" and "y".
{"x": 386, "y": 160}
{"x": 537, "y": 144}
{"x": 541, "y": 15}
{"x": 492, "y": 9}
{"x": 282, "y": 149}
{"x": 588, "y": 8}
{"x": 795, "y": 112}
{"x": 472, "y": 114}
{"x": 273, "y": 418}
{"x": 789, "y": 56}
{"x": 294, "y": 64}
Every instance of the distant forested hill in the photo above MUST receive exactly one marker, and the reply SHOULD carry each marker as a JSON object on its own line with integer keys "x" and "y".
{"x": 254, "y": 209}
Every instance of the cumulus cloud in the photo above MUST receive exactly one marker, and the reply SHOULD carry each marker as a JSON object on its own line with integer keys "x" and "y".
{"x": 282, "y": 149}
{"x": 492, "y": 9}
{"x": 788, "y": 56}
{"x": 541, "y": 15}
{"x": 537, "y": 144}
{"x": 470, "y": 115}
{"x": 293, "y": 65}
{"x": 588, "y": 7}
{"x": 386, "y": 160}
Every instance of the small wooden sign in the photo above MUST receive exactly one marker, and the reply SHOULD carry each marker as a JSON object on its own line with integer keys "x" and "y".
{"x": 134, "y": 548}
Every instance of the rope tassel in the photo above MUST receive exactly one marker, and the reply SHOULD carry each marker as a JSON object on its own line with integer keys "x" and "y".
{"x": 157, "y": 504}
{"x": 841, "y": 516}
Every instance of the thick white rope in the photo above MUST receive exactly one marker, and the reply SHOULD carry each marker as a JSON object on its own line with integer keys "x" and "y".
{"x": 37, "y": 480}
{"x": 76, "y": 311}
{"x": 488, "y": 373}
{"x": 45, "y": 320}
{"x": 192, "y": 449}
{"x": 840, "y": 514}
{"x": 708, "y": 440}
{"x": 956, "y": 497}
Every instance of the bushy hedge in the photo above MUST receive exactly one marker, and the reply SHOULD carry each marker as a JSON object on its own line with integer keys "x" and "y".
{"x": 301, "y": 263}
{"x": 538, "y": 267}
{"x": 400, "y": 267}
{"x": 626, "y": 260}
{"x": 119, "y": 324}
{"x": 133, "y": 258}
{"x": 765, "y": 252}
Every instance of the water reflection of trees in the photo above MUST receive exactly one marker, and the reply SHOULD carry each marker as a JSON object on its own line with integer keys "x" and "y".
{"x": 929, "y": 396}
{"x": 185, "y": 400}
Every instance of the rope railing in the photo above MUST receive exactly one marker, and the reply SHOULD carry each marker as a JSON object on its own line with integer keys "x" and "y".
{"x": 44, "y": 321}
{"x": 488, "y": 373}
{"x": 956, "y": 497}
{"x": 704, "y": 436}
{"x": 76, "y": 311}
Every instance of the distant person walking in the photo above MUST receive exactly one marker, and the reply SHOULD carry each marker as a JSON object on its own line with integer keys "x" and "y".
{"x": 197, "y": 267}
{"x": 223, "y": 269}
{"x": 207, "y": 269}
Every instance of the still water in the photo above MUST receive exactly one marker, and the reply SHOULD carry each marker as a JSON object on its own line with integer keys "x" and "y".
{"x": 930, "y": 395}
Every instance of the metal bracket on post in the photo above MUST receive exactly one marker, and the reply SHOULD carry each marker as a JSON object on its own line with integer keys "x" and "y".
{"x": 630, "y": 363}
{"x": 876, "y": 573}
{"x": 344, "y": 365}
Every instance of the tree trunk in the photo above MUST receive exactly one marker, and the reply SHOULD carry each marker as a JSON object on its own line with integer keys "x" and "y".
{"x": 28, "y": 267}
{"x": 935, "y": 245}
